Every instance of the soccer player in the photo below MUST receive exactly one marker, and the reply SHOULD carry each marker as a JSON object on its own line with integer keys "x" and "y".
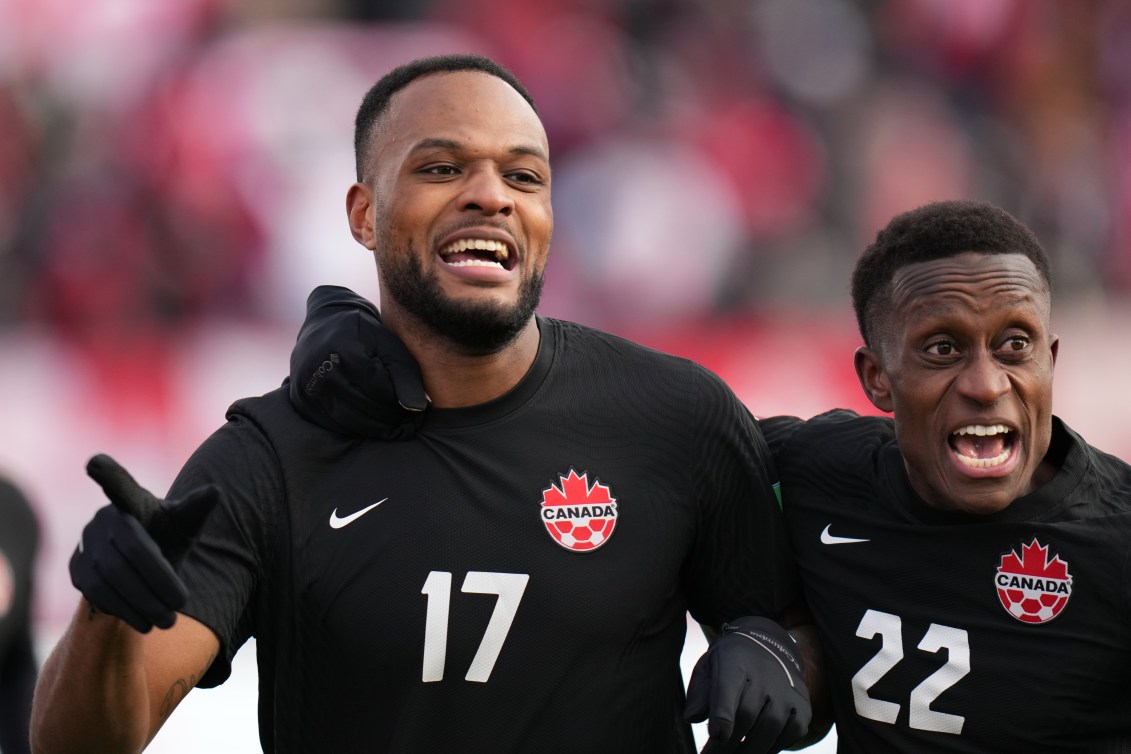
{"x": 968, "y": 560}
{"x": 19, "y": 543}
{"x": 507, "y": 565}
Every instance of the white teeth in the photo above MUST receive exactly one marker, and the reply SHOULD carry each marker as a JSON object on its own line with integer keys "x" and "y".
{"x": 474, "y": 263}
{"x": 982, "y": 430}
{"x": 984, "y": 463}
{"x": 477, "y": 244}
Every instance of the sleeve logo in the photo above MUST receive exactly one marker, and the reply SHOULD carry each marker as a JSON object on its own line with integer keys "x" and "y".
{"x": 579, "y": 516}
{"x": 1032, "y": 588}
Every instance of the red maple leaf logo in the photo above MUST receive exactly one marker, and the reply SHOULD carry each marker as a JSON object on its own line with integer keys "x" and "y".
{"x": 575, "y": 490}
{"x": 579, "y": 516}
{"x": 1034, "y": 561}
{"x": 1032, "y": 588}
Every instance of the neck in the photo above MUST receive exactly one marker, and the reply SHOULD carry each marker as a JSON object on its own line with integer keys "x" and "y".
{"x": 455, "y": 379}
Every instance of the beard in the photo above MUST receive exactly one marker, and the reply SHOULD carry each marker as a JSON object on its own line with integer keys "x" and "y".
{"x": 479, "y": 327}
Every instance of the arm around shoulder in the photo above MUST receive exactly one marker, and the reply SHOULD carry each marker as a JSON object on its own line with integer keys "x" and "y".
{"x": 106, "y": 687}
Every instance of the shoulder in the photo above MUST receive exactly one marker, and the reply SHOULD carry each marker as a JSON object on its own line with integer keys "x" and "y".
{"x": 276, "y": 403}
{"x": 832, "y": 425}
{"x": 1107, "y": 477}
{"x": 586, "y": 348}
{"x": 274, "y": 416}
{"x": 237, "y": 455}
{"x": 837, "y": 436}
{"x": 668, "y": 387}
{"x": 577, "y": 339}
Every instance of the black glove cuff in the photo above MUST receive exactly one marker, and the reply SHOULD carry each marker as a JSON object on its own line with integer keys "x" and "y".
{"x": 771, "y": 636}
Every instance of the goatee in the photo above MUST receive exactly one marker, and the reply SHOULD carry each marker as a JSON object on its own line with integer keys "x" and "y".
{"x": 476, "y": 327}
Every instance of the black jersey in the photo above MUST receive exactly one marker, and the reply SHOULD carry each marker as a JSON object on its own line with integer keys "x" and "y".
{"x": 19, "y": 541}
{"x": 515, "y": 578}
{"x": 952, "y": 632}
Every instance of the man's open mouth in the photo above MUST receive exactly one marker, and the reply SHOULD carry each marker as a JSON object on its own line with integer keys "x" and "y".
{"x": 982, "y": 446}
{"x": 478, "y": 252}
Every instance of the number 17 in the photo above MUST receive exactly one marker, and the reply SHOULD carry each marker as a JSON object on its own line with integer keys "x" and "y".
{"x": 438, "y": 587}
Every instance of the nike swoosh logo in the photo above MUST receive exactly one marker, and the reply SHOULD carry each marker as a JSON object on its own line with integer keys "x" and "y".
{"x": 337, "y": 522}
{"x": 831, "y": 539}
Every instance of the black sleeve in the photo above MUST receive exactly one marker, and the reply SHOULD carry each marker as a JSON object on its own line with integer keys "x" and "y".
{"x": 18, "y": 670}
{"x": 19, "y": 546}
{"x": 741, "y": 562}
{"x": 225, "y": 570}
{"x": 777, "y": 430}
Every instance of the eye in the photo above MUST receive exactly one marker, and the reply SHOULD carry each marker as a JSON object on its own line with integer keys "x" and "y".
{"x": 1015, "y": 345}
{"x": 942, "y": 348}
{"x": 443, "y": 169}
{"x": 525, "y": 177}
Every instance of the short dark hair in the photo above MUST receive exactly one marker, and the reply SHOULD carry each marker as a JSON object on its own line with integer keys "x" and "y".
{"x": 935, "y": 231}
{"x": 376, "y": 100}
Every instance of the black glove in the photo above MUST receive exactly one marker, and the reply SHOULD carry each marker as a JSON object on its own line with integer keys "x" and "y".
{"x": 351, "y": 375}
{"x": 748, "y": 686}
{"x": 126, "y": 559}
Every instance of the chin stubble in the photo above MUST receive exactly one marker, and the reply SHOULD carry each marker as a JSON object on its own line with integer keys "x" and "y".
{"x": 476, "y": 327}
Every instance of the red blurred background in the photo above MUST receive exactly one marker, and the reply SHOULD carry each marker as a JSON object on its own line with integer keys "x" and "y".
{"x": 172, "y": 182}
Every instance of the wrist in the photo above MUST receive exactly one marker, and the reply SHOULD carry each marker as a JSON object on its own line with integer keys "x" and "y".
{"x": 771, "y": 636}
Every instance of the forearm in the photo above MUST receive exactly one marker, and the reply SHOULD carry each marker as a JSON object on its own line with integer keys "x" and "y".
{"x": 809, "y": 645}
{"x": 92, "y": 693}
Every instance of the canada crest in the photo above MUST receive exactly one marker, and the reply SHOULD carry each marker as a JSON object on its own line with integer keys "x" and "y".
{"x": 1032, "y": 587}
{"x": 579, "y": 516}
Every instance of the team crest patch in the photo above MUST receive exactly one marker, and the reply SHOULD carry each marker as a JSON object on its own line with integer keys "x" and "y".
{"x": 1032, "y": 588}
{"x": 579, "y": 516}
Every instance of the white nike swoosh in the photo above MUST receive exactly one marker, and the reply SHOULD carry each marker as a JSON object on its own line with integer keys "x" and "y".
{"x": 337, "y": 522}
{"x": 830, "y": 539}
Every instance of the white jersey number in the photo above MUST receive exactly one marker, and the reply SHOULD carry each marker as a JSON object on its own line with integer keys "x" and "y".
{"x": 890, "y": 629}
{"x": 438, "y": 588}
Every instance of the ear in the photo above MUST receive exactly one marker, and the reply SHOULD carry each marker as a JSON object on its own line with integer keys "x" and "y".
{"x": 1054, "y": 346}
{"x": 359, "y": 209}
{"x": 873, "y": 378}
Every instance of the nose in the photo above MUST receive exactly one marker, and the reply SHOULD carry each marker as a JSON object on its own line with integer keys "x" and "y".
{"x": 486, "y": 191}
{"x": 983, "y": 380}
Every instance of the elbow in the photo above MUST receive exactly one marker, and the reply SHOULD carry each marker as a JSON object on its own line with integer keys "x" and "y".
{"x": 54, "y": 731}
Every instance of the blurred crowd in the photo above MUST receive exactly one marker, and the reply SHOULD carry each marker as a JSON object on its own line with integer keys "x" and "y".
{"x": 173, "y": 177}
{"x": 167, "y": 164}
{"x": 172, "y": 171}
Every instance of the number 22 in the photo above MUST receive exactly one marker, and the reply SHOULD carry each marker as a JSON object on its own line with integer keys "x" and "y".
{"x": 890, "y": 628}
{"x": 438, "y": 587}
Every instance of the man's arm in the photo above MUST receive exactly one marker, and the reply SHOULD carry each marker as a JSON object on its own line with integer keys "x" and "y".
{"x": 812, "y": 661}
{"x": 113, "y": 679}
{"x": 108, "y": 688}
{"x": 798, "y": 619}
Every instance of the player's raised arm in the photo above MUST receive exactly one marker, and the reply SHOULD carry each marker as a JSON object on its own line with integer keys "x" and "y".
{"x": 112, "y": 680}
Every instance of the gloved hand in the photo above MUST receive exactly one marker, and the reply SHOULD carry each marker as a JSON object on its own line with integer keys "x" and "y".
{"x": 126, "y": 559}
{"x": 351, "y": 375}
{"x": 749, "y": 687}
